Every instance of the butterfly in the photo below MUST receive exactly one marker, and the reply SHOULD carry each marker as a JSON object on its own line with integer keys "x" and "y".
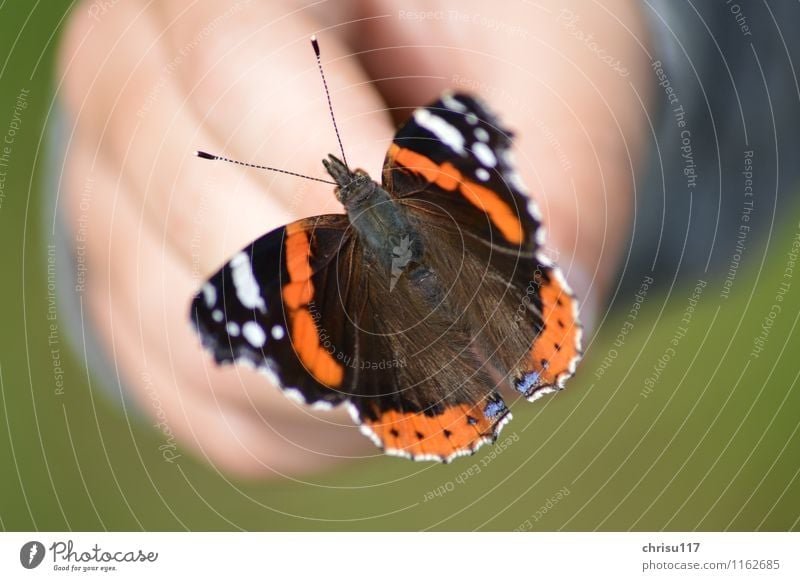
{"x": 418, "y": 303}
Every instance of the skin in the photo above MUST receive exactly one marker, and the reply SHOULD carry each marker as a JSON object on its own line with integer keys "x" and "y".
{"x": 145, "y": 84}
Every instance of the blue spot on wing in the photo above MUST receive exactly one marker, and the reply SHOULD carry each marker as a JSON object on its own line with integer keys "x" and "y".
{"x": 530, "y": 380}
{"x": 494, "y": 408}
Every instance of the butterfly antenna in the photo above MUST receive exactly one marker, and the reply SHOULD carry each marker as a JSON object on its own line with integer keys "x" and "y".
{"x": 205, "y": 155}
{"x": 315, "y": 44}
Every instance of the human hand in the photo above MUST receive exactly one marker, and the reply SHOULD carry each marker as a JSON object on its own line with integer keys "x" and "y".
{"x": 146, "y": 84}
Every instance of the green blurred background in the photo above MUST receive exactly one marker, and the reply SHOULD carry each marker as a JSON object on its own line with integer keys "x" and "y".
{"x": 715, "y": 446}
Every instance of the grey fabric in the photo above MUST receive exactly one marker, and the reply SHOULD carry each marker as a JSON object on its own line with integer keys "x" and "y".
{"x": 73, "y": 317}
{"x": 729, "y": 66}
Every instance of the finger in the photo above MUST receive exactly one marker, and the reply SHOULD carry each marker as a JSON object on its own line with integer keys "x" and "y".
{"x": 579, "y": 122}
{"x": 105, "y": 95}
{"x": 137, "y": 294}
{"x": 259, "y": 67}
{"x": 154, "y": 151}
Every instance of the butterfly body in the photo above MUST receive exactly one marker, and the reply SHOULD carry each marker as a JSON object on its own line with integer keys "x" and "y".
{"x": 418, "y": 304}
{"x": 376, "y": 219}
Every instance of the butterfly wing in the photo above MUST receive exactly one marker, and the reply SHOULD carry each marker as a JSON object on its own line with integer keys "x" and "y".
{"x": 416, "y": 357}
{"x": 421, "y": 391}
{"x": 306, "y": 305}
{"x": 458, "y": 146}
{"x": 451, "y": 166}
{"x": 259, "y": 308}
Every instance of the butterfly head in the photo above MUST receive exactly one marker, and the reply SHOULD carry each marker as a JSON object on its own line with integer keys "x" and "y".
{"x": 353, "y": 186}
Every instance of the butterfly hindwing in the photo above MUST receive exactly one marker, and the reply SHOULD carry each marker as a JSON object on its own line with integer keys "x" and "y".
{"x": 556, "y": 351}
{"x": 332, "y": 326}
{"x": 452, "y": 165}
{"x": 420, "y": 390}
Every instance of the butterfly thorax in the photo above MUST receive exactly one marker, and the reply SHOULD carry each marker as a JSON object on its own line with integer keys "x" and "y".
{"x": 380, "y": 222}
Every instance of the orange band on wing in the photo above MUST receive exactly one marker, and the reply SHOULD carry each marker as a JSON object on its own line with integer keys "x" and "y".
{"x": 556, "y": 349}
{"x": 500, "y": 213}
{"x": 447, "y": 177}
{"x": 297, "y": 294}
{"x": 460, "y": 429}
{"x": 297, "y": 253}
{"x": 415, "y": 162}
{"x": 318, "y": 360}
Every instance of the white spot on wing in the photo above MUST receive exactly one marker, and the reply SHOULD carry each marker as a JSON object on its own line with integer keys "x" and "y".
{"x": 294, "y": 395}
{"x": 363, "y": 428}
{"x": 541, "y": 392}
{"x": 516, "y": 181}
{"x": 453, "y": 104}
{"x": 481, "y": 134}
{"x": 471, "y": 118}
{"x": 269, "y": 374}
{"x": 277, "y": 332}
{"x": 247, "y": 289}
{"x": 540, "y": 236}
{"x": 209, "y": 294}
{"x": 216, "y": 314}
{"x": 443, "y": 131}
{"x": 232, "y": 329}
{"x": 321, "y": 404}
{"x": 245, "y": 362}
{"x": 508, "y": 166}
{"x": 484, "y": 154}
{"x": 482, "y": 174}
{"x": 533, "y": 210}
{"x": 507, "y": 157}
{"x": 254, "y": 334}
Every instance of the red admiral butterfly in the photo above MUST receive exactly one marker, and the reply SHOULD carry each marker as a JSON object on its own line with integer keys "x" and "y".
{"x": 415, "y": 305}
